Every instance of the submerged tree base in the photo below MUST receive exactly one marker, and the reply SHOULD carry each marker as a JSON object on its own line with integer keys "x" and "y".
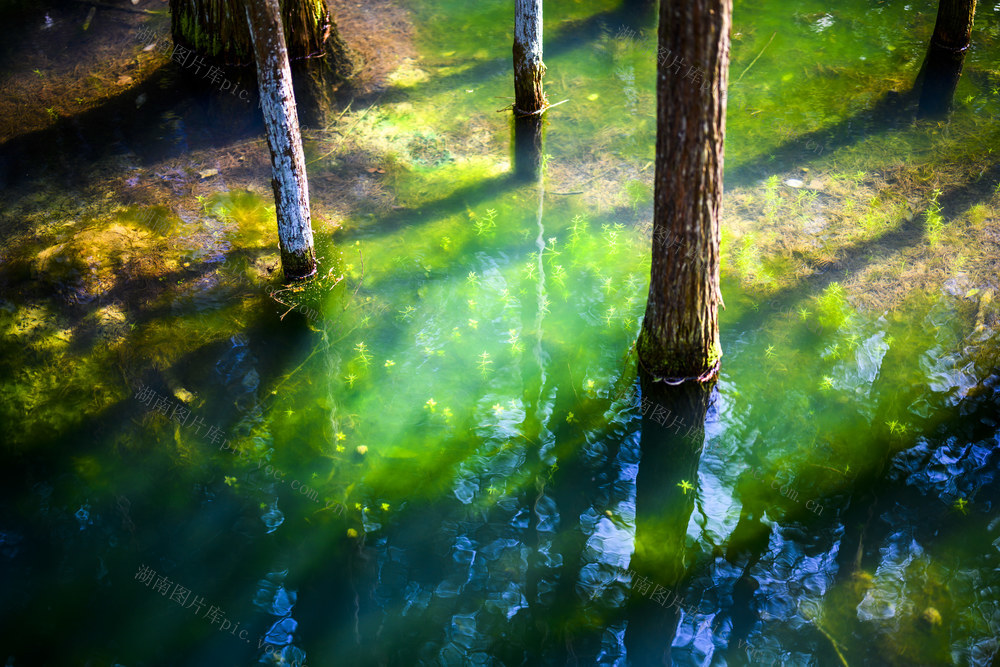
{"x": 528, "y": 142}
{"x": 941, "y": 73}
{"x": 678, "y": 364}
{"x": 299, "y": 266}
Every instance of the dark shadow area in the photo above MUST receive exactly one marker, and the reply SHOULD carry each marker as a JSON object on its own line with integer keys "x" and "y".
{"x": 118, "y": 528}
{"x": 466, "y": 197}
{"x": 169, "y": 114}
{"x": 673, "y": 433}
{"x": 892, "y": 111}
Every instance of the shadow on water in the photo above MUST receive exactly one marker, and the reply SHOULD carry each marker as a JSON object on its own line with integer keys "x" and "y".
{"x": 225, "y": 527}
{"x": 500, "y": 540}
{"x": 666, "y": 490}
{"x": 169, "y": 114}
{"x": 459, "y": 200}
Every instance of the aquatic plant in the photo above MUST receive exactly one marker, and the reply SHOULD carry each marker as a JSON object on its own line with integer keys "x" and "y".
{"x": 933, "y": 220}
{"x": 559, "y": 275}
{"x": 507, "y": 298}
{"x": 831, "y": 307}
{"x": 362, "y": 350}
{"x": 577, "y": 229}
{"x": 485, "y": 223}
{"x": 484, "y": 363}
{"x": 610, "y": 236}
{"x": 531, "y": 266}
{"x": 747, "y": 258}
{"x": 636, "y": 191}
{"x": 514, "y": 341}
{"x": 771, "y": 200}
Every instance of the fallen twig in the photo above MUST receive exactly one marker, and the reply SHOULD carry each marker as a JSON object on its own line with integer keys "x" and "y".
{"x": 525, "y": 114}
{"x": 344, "y": 136}
{"x": 758, "y": 56}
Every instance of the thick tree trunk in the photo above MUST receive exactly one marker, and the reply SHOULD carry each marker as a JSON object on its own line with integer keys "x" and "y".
{"x": 680, "y": 332}
{"x": 288, "y": 165}
{"x": 529, "y": 98}
{"x": 953, "y": 29}
{"x": 216, "y": 29}
{"x": 946, "y": 55}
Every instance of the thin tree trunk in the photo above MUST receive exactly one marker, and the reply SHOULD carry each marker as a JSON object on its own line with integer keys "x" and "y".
{"x": 942, "y": 67}
{"x": 528, "y": 66}
{"x": 288, "y": 165}
{"x": 529, "y": 97}
{"x": 680, "y": 332}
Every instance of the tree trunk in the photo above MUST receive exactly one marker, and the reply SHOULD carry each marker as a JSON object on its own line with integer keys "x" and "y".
{"x": 216, "y": 29}
{"x": 529, "y": 98}
{"x": 680, "y": 332}
{"x": 528, "y": 66}
{"x": 946, "y": 55}
{"x": 288, "y": 165}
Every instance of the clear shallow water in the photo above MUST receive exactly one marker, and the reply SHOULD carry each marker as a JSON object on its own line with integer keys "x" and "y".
{"x": 434, "y": 469}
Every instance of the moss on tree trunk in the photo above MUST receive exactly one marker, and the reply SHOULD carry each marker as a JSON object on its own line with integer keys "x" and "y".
{"x": 218, "y": 28}
{"x": 320, "y": 59}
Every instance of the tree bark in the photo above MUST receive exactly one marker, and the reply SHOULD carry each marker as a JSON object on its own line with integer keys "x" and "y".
{"x": 680, "y": 331}
{"x": 528, "y": 67}
{"x": 942, "y": 67}
{"x": 953, "y": 29}
{"x": 288, "y": 165}
{"x": 217, "y": 29}
{"x": 529, "y": 97}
